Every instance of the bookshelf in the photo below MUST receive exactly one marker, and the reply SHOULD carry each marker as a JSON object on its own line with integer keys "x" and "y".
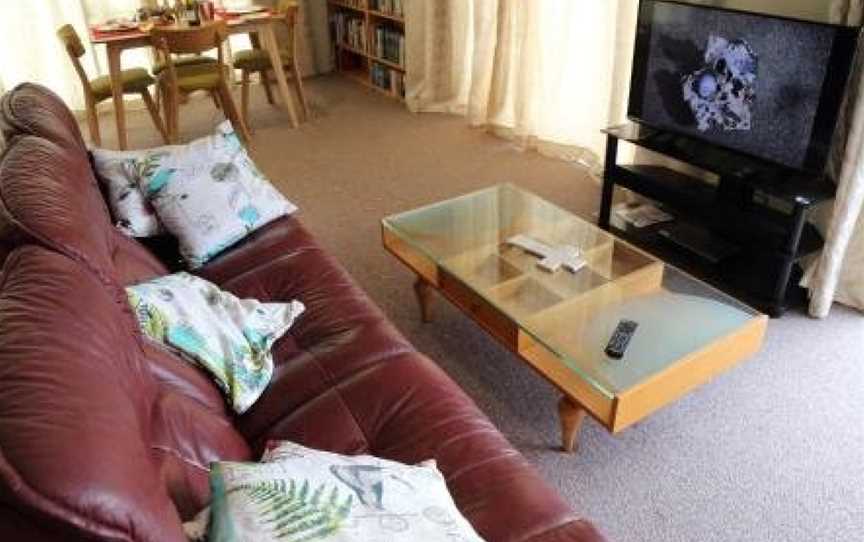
{"x": 369, "y": 43}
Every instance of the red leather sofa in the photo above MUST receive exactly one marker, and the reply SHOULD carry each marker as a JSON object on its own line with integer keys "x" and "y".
{"x": 105, "y": 437}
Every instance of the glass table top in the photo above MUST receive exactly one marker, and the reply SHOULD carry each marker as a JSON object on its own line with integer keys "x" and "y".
{"x": 573, "y": 315}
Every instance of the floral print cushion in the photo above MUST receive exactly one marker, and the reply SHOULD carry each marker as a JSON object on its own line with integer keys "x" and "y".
{"x": 300, "y": 494}
{"x": 209, "y": 193}
{"x": 119, "y": 172}
{"x": 230, "y": 338}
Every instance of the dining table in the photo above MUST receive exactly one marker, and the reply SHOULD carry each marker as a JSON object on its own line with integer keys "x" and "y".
{"x": 261, "y": 23}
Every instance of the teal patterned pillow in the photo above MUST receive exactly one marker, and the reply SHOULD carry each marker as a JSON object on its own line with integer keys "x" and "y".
{"x": 209, "y": 193}
{"x": 230, "y": 338}
{"x": 119, "y": 171}
{"x": 299, "y": 494}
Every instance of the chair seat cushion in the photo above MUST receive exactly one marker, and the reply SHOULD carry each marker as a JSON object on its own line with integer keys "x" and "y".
{"x": 134, "y": 81}
{"x": 159, "y": 66}
{"x": 197, "y": 77}
{"x": 258, "y": 59}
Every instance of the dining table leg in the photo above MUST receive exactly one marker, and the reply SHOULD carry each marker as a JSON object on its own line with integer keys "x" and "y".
{"x": 117, "y": 93}
{"x": 272, "y": 47}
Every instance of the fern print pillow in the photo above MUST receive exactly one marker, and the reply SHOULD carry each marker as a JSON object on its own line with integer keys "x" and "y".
{"x": 228, "y": 337}
{"x": 119, "y": 172}
{"x": 209, "y": 194}
{"x": 300, "y": 494}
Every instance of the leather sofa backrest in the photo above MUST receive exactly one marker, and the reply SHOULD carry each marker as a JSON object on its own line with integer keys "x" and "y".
{"x": 31, "y": 109}
{"x": 99, "y": 428}
{"x": 75, "y": 405}
{"x": 49, "y": 196}
{"x": 48, "y": 192}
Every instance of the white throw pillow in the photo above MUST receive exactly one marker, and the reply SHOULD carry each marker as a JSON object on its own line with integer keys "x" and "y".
{"x": 305, "y": 494}
{"x": 119, "y": 171}
{"x": 209, "y": 194}
{"x": 228, "y": 337}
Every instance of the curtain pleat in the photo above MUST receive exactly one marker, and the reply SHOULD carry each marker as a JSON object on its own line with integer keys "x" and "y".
{"x": 548, "y": 73}
{"x": 838, "y": 273}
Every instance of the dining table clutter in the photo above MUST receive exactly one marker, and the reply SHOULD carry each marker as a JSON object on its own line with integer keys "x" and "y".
{"x": 183, "y": 35}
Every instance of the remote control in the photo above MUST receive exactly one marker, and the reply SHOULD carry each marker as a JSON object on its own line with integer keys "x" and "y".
{"x": 621, "y": 338}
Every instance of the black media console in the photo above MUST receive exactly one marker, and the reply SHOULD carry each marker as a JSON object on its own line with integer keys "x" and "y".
{"x": 744, "y": 233}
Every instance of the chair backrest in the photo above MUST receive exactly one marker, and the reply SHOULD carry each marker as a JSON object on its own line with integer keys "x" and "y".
{"x": 72, "y": 43}
{"x": 190, "y": 40}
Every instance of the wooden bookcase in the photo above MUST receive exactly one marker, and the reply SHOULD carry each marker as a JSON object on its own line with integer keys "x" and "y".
{"x": 357, "y": 53}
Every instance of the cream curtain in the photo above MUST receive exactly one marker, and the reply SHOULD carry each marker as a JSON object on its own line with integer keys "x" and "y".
{"x": 549, "y": 73}
{"x": 838, "y": 275}
{"x": 30, "y": 51}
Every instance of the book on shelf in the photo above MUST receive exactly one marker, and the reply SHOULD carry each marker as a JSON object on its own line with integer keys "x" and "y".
{"x": 357, "y": 4}
{"x": 389, "y": 7}
{"x": 387, "y": 79}
{"x": 350, "y": 30}
{"x": 389, "y": 44}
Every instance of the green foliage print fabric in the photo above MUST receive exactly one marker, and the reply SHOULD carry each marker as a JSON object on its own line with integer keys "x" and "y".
{"x": 302, "y": 495}
{"x": 209, "y": 193}
{"x": 230, "y": 338}
{"x": 119, "y": 172}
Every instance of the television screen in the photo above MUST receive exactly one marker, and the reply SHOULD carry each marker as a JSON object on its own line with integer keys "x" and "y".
{"x": 767, "y": 86}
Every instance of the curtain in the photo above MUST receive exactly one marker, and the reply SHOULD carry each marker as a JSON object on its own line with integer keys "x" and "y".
{"x": 838, "y": 274}
{"x": 43, "y": 60}
{"x": 30, "y": 50}
{"x": 548, "y": 73}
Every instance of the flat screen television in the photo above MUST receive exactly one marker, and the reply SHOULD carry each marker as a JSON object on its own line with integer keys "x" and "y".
{"x": 767, "y": 86}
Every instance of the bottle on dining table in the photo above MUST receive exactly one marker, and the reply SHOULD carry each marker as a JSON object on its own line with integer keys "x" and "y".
{"x": 191, "y": 13}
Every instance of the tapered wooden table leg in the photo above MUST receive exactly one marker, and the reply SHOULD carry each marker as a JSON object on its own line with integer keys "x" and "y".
{"x": 572, "y": 416}
{"x": 116, "y": 76}
{"x": 424, "y": 299}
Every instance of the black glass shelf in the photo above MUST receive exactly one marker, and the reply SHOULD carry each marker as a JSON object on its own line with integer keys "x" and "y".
{"x": 685, "y": 196}
{"x": 770, "y": 179}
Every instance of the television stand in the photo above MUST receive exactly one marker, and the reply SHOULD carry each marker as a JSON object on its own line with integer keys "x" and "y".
{"x": 744, "y": 233}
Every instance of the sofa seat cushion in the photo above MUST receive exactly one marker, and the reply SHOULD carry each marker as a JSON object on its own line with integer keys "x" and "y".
{"x": 133, "y": 263}
{"x": 283, "y": 236}
{"x": 353, "y": 373}
{"x": 191, "y": 427}
{"x": 186, "y": 438}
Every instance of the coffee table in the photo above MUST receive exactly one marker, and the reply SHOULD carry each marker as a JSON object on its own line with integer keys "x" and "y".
{"x": 560, "y": 323}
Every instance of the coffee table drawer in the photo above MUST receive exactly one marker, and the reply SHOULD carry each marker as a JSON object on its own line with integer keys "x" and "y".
{"x": 480, "y": 310}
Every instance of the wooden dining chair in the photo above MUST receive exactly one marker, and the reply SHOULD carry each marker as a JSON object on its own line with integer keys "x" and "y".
{"x": 135, "y": 81}
{"x": 257, "y": 60}
{"x": 176, "y": 80}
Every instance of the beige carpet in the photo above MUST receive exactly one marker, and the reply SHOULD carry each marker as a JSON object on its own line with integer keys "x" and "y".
{"x": 772, "y": 451}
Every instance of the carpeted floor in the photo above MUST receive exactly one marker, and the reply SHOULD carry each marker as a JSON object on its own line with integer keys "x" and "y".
{"x": 772, "y": 451}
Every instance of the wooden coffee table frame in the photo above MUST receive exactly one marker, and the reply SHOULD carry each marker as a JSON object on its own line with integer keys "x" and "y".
{"x": 615, "y": 412}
